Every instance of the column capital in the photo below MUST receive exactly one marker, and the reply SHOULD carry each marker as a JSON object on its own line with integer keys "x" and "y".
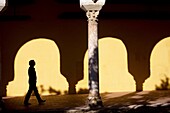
{"x": 92, "y": 15}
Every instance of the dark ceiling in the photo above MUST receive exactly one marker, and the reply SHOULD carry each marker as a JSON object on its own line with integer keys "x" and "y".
{"x": 119, "y": 1}
{"x": 150, "y": 9}
{"x": 22, "y": 2}
{"x": 19, "y": 2}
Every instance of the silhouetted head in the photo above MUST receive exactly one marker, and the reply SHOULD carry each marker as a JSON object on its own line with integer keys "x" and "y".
{"x": 32, "y": 63}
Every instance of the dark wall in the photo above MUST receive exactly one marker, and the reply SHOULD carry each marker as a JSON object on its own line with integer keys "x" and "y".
{"x": 20, "y": 23}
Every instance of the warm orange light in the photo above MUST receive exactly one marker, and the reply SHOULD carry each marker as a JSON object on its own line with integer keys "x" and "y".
{"x": 160, "y": 64}
{"x": 47, "y": 57}
{"x": 114, "y": 75}
{"x": 113, "y": 70}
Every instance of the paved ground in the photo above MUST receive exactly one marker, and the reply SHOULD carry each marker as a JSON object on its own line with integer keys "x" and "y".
{"x": 124, "y": 102}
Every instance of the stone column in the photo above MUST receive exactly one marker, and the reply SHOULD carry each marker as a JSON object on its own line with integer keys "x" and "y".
{"x": 2, "y": 5}
{"x": 0, "y": 59}
{"x": 1, "y": 101}
{"x": 94, "y": 99}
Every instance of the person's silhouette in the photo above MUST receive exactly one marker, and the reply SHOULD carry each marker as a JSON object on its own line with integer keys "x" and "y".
{"x": 32, "y": 84}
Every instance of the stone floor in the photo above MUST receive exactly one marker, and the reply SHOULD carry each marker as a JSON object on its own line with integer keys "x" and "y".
{"x": 116, "y": 102}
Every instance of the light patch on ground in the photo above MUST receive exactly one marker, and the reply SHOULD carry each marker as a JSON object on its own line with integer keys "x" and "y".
{"x": 115, "y": 94}
{"x": 136, "y": 97}
{"x": 143, "y": 93}
{"x": 139, "y": 95}
{"x": 161, "y": 100}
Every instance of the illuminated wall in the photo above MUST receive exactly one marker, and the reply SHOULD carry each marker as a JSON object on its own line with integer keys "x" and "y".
{"x": 47, "y": 57}
{"x": 113, "y": 70}
{"x": 160, "y": 64}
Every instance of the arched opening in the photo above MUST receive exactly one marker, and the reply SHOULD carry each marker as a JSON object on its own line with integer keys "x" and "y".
{"x": 113, "y": 69}
{"x": 47, "y": 57}
{"x": 159, "y": 64}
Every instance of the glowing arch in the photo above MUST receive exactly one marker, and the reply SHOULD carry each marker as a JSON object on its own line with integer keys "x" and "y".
{"x": 159, "y": 64}
{"x": 113, "y": 70}
{"x": 47, "y": 57}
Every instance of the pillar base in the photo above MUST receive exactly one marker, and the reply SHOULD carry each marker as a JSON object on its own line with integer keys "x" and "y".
{"x": 95, "y": 101}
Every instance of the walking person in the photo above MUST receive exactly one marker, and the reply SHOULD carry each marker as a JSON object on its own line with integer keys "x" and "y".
{"x": 32, "y": 85}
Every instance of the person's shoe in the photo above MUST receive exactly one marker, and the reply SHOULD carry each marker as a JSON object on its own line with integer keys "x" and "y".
{"x": 27, "y": 104}
{"x": 41, "y": 102}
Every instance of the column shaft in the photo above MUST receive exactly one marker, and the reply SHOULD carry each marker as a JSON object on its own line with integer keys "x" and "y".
{"x": 94, "y": 95}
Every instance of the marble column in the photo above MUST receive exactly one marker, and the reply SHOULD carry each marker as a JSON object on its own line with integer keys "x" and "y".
{"x": 94, "y": 99}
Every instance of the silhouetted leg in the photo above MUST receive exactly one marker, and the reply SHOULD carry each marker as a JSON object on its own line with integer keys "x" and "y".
{"x": 27, "y": 97}
{"x": 37, "y": 94}
{"x": 40, "y": 101}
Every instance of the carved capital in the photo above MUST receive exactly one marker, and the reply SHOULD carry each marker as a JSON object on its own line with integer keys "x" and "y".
{"x": 92, "y": 15}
